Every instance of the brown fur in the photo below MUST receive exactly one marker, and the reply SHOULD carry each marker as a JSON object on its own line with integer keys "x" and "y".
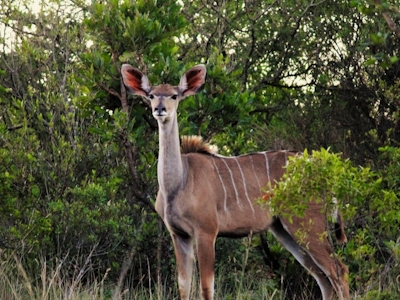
{"x": 202, "y": 196}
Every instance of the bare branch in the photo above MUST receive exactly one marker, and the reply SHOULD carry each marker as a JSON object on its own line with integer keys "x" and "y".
{"x": 16, "y": 127}
{"x": 390, "y": 22}
{"x": 21, "y": 31}
{"x": 392, "y": 25}
{"x": 111, "y": 91}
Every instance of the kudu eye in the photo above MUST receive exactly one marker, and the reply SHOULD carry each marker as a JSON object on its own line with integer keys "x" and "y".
{"x": 151, "y": 97}
{"x": 174, "y": 97}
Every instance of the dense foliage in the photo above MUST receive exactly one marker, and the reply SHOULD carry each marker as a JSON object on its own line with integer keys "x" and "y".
{"x": 78, "y": 156}
{"x": 362, "y": 198}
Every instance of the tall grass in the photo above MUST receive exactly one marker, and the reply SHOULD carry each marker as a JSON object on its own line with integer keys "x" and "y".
{"x": 49, "y": 284}
{"x": 52, "y": 283}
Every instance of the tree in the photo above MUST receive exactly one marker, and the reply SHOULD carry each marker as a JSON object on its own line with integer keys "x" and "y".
{"x": 66, "y": 195}
{"x": 304, "y": 63}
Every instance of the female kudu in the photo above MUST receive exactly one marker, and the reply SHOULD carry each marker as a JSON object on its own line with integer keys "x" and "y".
{"x": 203, "y": 195}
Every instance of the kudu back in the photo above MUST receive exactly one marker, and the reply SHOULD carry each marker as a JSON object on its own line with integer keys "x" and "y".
{"x": 203, "y": 195}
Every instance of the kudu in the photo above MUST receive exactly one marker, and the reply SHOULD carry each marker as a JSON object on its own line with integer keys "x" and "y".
{"x": 203, "y": 195}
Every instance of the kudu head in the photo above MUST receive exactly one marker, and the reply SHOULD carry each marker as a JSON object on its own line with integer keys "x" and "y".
{"x": 164, "y": 98}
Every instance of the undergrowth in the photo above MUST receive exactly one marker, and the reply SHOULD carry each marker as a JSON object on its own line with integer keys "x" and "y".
{"x": 53, "y": 284}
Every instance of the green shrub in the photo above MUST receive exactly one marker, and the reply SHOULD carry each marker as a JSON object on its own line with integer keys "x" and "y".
{"x": 369, "y": 202}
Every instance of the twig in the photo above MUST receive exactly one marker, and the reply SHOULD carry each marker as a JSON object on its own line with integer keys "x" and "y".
{"x": 125, "y": 267}
{"x": 390, "y": 22}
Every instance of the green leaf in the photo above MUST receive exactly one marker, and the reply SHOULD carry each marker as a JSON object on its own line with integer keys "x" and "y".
{"x": 35, "y": 190}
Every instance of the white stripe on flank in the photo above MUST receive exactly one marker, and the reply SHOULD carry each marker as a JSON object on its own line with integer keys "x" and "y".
{"x": 255, "y": 173}
{"x": 244, "y": 185}
{"x": 222, "y": 183}
{"x": 267, "y": 166}
{"x": 234, "y": 186}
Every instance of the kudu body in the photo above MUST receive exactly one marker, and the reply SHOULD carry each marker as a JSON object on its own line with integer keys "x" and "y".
{"x": 204, "y": 195}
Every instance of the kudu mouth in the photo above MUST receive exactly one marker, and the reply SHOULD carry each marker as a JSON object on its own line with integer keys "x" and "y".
{"x": 161, "y": 115}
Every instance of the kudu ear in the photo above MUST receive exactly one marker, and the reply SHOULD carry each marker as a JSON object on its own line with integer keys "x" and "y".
{"x": 136, "y": 82}
{"x": 192, "y": 81}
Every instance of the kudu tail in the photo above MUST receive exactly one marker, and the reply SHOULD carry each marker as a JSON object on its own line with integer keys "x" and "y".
{"x": 339, "y": 228}
{"x": 339, "y": 225}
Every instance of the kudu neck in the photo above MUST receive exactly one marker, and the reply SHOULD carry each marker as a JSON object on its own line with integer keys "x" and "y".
{"x": 170, "y": 169}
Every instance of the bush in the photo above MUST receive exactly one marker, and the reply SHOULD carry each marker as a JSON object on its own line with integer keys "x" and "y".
{"x": 369, "y": 202}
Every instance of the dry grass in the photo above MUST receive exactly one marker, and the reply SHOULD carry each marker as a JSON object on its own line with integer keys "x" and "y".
{"x": 49, "y": 284}
{"x": 52, "y": 284}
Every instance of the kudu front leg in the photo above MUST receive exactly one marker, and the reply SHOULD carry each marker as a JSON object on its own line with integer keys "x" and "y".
{"x": 184, "y": 260}
{"x": 206, "y": 259}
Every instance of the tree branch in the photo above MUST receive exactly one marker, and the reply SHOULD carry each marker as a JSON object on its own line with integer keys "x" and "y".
{"x": 390, "y": 22}
{"x": 392, "y": 25}
{"x": 16, "y": 127}
{"x": 137, "y": 183}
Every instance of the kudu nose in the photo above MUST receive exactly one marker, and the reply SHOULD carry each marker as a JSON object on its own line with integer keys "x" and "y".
{"x": 160, "y": 109}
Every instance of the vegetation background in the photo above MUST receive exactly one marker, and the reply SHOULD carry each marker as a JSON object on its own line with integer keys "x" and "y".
{"x": 78, "y": 156}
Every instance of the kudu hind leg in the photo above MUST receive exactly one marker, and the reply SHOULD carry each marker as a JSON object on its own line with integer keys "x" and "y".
{"x": 331, "y": 273}
{"x": 334, "y": 269}
{"x": 303, "y": 258}
{"x": 184, "y": 260}
{"x": 322, "y": 254}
